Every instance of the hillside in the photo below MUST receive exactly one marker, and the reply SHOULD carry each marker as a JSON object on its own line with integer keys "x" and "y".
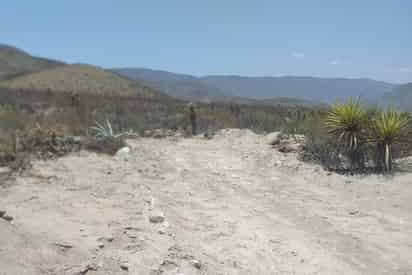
{"x": 80, "y": 79}
{"x": 326, "y": 90}
{"x": 276, "y": 101}
{"x": 14, "y": 62}
{"x": 288, "y": 101}
{"x": 400, "y": 97}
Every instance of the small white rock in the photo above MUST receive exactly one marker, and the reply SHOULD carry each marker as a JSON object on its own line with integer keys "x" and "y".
{"x": 124, "y": 265}
{"x": 123, "y": 151}
{"x": 5, "y": 170}
{"x": 163, "y": 230}
{"x": 196, "y": 264}
{"x": 273, "y": 138}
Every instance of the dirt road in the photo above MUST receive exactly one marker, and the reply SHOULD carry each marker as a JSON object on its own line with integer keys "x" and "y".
{"x": 231, "y": 205}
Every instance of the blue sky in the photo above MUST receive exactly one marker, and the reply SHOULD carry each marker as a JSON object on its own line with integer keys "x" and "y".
{"x": 363, "y": 38}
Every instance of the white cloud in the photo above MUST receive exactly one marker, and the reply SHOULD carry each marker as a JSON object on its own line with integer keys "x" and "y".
{"x": 402, "y": 70}
{"x": 335, "y": 62}
{"x": 298, "y": 55}
{"x": 405, "y": 70}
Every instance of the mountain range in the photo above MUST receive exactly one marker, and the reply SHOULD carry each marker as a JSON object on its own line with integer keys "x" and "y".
{"x": 20, "y": 70}
{"x": 327, "y": 90}
{"x": 260, "y": 90}
{"x": 400, "y": 98}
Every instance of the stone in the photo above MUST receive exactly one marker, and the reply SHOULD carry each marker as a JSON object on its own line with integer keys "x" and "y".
{"x": 123, "y": 151}
{"x": 163, "y": 230}
{"x": 5, "y": 170}
{"x": 157, "y": 217}
{"x": 169, "y": 133}
{"x": 147, "y": 133}
{"x": 84, "y": 268}
{"x": 109, "y": 239}
{"x": 273, "y": 138}
{"x": 73, "y": 140}
{"x": 7, "y": 218}
{"x": 2, "y": 213}
{"x": 158, "y": 133}
{"x": 354, "y": 212}
{"x": 124, "y": 265}
{"x": 132, "y": 234}
{"x": 63, "y": 245}
{"x": 197, "y": 264}
{"x": 290, "y": 148}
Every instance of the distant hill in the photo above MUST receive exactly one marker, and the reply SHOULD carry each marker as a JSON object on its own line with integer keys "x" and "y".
{"x": 188, "y": 87}
{"x": 14, "y": 62}
{"x": 327, "y": 90}
{"x": 238, "y": 88}
{"x": 400, "y": 97}
{"x": 20, "y": 70}
{"x": 287, "y": 101}
{"x": 80, "y": 78}
{"x": 181, "y": 86}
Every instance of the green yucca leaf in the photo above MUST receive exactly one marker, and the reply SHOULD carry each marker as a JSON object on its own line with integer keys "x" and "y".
{"x": 388, "y": 126}
{"x": 346, "y": 121}
{"x": 105, "y": 131}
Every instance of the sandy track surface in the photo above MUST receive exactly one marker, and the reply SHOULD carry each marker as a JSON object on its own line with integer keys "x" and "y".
{"x": 232, "y": 205}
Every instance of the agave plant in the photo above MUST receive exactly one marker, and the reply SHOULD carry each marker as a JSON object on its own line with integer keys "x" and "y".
{"x": 346, "y": 122}
{"x": 388, "y": 128}
{"x": 104, "y": 131}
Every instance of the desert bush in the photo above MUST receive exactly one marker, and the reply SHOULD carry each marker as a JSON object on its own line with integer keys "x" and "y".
{"x": 43, "y": 142}
{"x": 320, "y": 147}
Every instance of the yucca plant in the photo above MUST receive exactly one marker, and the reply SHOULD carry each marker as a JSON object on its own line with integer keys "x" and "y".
{"x": 346, "y": 122}
{"x": 104, "y": 131}
{"x": 388, "y": 128}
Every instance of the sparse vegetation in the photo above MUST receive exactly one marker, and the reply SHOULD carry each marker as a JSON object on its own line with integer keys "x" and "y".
{"x": 26, "y": 108}
{"x": 345, "y": 124}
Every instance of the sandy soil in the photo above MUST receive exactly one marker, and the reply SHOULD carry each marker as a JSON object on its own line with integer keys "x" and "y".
{"x": 232, "y": 205}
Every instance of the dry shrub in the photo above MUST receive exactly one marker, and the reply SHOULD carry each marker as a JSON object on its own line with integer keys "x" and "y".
{"x": 319, "y": 147}
{"x": 41, "y": 143}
